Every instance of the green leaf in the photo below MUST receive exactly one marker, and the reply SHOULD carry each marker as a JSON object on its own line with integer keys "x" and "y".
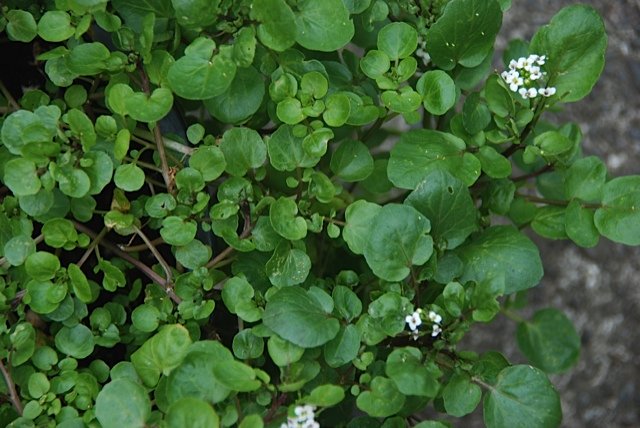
{"x": 585, "y": 179}
{"x": 191, "y": 412}
{"x": 323, "y": 26}
{"x": 44, "y": 297}
{"x": 55, "y": 26}
{"x": 129, "y": 177}
{"x": 243, "y": 150}
{"x": 131, "y": 401}
{"x": 236, "y": 376}
{"x": 287, "y": 266}
{"x": 38, "y": 385}
{"x": 88, "y": 59}
{"x": 352, "y": 161}
{"x": 209, "y": 160}
{"x": 343, "y": 348}
{"x": 461, "y": 396}
{"x": 574, "y": 43}
{"x": 290, "y": 111}
{"x": 193, "y": 255}
{"x": 277, "y": 29}
{"x": 475, "y": 114}
{"x": 498, "y": 251}
{"x": 447, "y": 203}
{"x": 397, "y": 240}
{"x": 499, "y": 99}
{"x": 59, "y": 232}
{"x": 579, "y": 224}
{"x": 21, "y": 177}
{"x": 338, "y": 108}
{"x": 464, "y": 34}
{"x": 198, "y": 76}
{"x": 42, "y": 266}
{"x": 382, "y": 400}
{"x": 493, "y": 163}
{"x": 241, "y": 99}
{"x": 146, "y": 318}
{"x": 619, "y": 217}
{"x": 18, "y": 249}
{"x": 284, "y": 220}
{"x": 99, "y": 172}
{"x": 549, "y": 222}
{"x": 523, "y": 397}
{"x": 359, "y": 216}
{"x": 549, "y": 341}
{"x": 438, "y": 91}
{"x": 398, "y": 40}
{"x": 79, "y": 283}
{"x": 421, "y": 151}
{"x": 247, "y": 345}
{"x": 21, "y": 26}
{"x": 286, "y": 151}
{"x": 375, "y": 63}
{"x": 405, "y": 101}
{"x": 76, "y": 342}
{"x": 347, "y": 303}
{"x": 23, "y": 342}
{"x": 283, "y": 352}
{"x": 325, "y": 395}
{"x": 161, "y": 353}
{"x": 296, "y": 315}
{"x": 410, "y": 374}
{"x": 195, "y": 14}
{"x": 177, "y": 231}
{"x": 237, "y": 296}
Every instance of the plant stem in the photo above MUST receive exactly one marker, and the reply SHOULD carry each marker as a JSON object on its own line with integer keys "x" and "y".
{"x": 163, "y": 159}
{"x": 13, "y": 394}
{"x": 91, "y": 247}
{"x": 12, "y": 101}
{"x": 156, "y": 254}
{"x": 512, "y": 315}
{"x": 533, "y": 174}
{"x": 141, "y": 247}
{"x": 150, "y": 273}
{"x": 555, "y": 202}
{"x": 246, "y": 231}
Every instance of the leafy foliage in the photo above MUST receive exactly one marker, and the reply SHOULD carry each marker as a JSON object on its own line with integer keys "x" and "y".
{"x": 209, "y": 218}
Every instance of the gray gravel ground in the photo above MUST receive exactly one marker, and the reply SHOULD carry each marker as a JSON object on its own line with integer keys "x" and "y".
{"x": 598, "y": 288}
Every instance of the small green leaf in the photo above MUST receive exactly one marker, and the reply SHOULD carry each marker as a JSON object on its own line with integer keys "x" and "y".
{"x": 193, "y": 255}
{"x": 585, "y": 179}
{"x": 579, "y": 224}
{"x": 284, "y": 220}
{"x": 243, "y": 150}
{"x": 475, "y": 114}
{"x": 337, "y": 110}
{"x": 286, "y": 151}
{"x": 323, "y": 26}
{"x": 88, "y": 59}
{"x": 398, "y": 40}
{"x": 549, "y": 341}
{"x": 438, "y": 91}
{"x": 522, "y": 396}
{"x": 209, "y": 160}
{"x": 277, "y": 29}
{"x": 247, "y": 345}
{"x": 287, "y": 266}
{"x": 191, "y": 412}
{"x": 499, "y": 99}
{"x": 375, "y": 63}
{"x": 296, "y": 315}
{"x": 146, "y": 318}
{"x": 195, "y": 14}
{"x": 343, "y": 348}
{"x": 461, "y": 396}
{"x": 617, "y": 219}
{"x": 21, "y": 26}
{"x": 76, "y": 342}
{"x": 493, "y": 163}
{"x": 55, "y": 26}
{"x": 325, "y": 395}
{"x": 59, "y": 232}
{"x": 21, "y": 177}
{"x": 397, "y": 240}
{"x": 352, "y": 161}
{"x": 241, "y": 99}
{"x": 382, "y": 400}
{"x": 237, "y": 296}
{"x": 410, "y": 374}
{"x": 131, "y": 400}
{"x": 129, "y": 177}
{"x": 42, "y": 266}
{"x": 359, "y": 216}
{"x": 283, "y": 352}
{"x": 18, "y": 249}
{"x": 176, "y": 231}
{"x": 79, "y": 283}
{"x": 23, "y": 342}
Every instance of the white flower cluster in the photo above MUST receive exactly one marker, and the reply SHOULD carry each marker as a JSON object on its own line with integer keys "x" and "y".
{"x": 524, "y": 76}
{"x": 421, "y": 52}
{"x": 415, "y": 320}
{"x": 305, "y": 418}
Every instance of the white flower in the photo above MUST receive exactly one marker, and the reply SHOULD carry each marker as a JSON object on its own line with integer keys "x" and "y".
{"x": 547, "y": 92}
{"x": 304, "y": 418}
{"x": 541, "y": 60}
{"x": 436, "y": 330}
{"x": 434, "y": 317}
{"x": 528, "y": 93}
{"x": 413, "y": 320}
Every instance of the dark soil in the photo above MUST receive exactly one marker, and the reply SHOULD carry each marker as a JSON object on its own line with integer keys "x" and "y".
{"x": 597, "y": 288}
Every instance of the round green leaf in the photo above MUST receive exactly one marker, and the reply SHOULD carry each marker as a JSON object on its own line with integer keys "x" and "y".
{"x": 359, "y": 216}
{"x": 18, "y": 249}
{"x": 283, "y": 352}
{"x": 296, "y": 315}
{"x": 574, "y": 43}
{"x": 87, "y": 59}
{"x": 315, "y": 84}
{"x": 241, "y": 99}
{"x": 55, "y": 26}
{"x": 375, "y": 63}
{"x": 465, "y": 33}
{"x": 38, "y": 385}
{"x": 475, "y": 114}
{"x": 579, "y": 224}
{"x": 325, "y": 395}
{"x": 397, "y": 240}
{"x": 195, "y": 14}
{"x": 73, "y": 182}
{"x": 146, "y": 318}
{"x": 21, "y": 177}
{"x": 122, "y": 403}
{"x": 287, "y": 266}
{"x": 461, "y": 396}
{"x": 189, "y": 180}
{"x": 129, "y": 177}
{"x": 59, "y": 232}
{"x": 619, "y": 217}
{"x": 191, "y": 412}
{"x": 99, "y": 172}
{"x": 176, "y": 231}
{"x": 199, "y": 77}
{"x": 284, "y": 220}
{"x": 398, "y": 40}
{"x": 438, "y": 91}
{"x": 382, "y": 400}
{"x": 243, "y": 149}
{"x": 247, "y": 345}
{"x": 522, "y": 396}
{"x": 42, "y": 266}
{"x": 44, "y": 296}
{"x": 352, "y": 161}
{"x": 343, "y": 348}
{"x": 79, "y": 283}
{"x": 493, "y": 163}
{"x": 549, "y": 341}
{"x": 149, "y": 108}
{"x": 193, "y": 255}
{"x": 323, "y": 25}
{"x": 585, "y": 179}
{"x": 437, "y": 197}
{"x": 499, "y": 99}
{"x": 277, "y": 29}
{"x": 23, "y": 342}
{"x": 76, "y": 342}
{"x": 21, "y": 25}
{"x": 337, "y": 110}
{"x": 410, "y": 374}
{"x": 209, "y": 160}
{"x": 289, "y": 111}
{"x": 286, "y": 151}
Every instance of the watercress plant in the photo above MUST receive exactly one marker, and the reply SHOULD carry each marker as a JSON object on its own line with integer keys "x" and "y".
{"x": 289, "y": 213}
